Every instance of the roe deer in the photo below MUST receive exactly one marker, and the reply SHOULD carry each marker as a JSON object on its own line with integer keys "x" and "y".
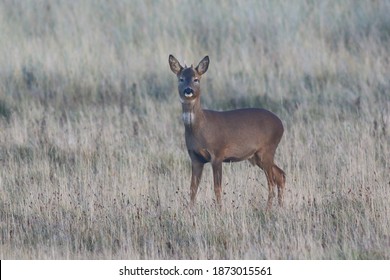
{"x": 229, "y": 136}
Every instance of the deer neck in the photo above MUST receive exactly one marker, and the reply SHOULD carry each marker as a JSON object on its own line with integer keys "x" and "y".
{"x": 192, "y": 114}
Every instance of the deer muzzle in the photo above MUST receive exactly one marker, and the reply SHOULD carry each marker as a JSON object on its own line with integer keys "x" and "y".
{"x": 188, "y": 92}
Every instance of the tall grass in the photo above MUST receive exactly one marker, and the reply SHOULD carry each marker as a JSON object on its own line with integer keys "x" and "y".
{"x": 92, "y": 156}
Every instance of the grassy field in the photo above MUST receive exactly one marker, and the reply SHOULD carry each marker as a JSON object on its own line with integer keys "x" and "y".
{"x": 93, "y": 163}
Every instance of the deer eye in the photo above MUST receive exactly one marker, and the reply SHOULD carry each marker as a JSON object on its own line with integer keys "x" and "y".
{"x": 181, "y": 79}
{"x": 196, "y": 80}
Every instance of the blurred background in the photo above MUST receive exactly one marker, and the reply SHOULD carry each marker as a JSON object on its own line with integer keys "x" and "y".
{"x": 92, "y": 154}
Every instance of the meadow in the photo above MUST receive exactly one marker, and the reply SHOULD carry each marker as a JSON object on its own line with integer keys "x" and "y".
{"x": 93, "y": 163}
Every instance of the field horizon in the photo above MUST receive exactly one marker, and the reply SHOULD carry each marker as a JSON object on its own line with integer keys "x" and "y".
{"x": 93, "y": 163}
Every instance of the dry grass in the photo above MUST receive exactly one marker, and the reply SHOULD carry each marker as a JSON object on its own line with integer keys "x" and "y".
{"x": 92, "y": 156}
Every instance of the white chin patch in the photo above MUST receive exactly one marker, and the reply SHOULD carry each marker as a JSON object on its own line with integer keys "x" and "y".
{"x": 186, "y": 97}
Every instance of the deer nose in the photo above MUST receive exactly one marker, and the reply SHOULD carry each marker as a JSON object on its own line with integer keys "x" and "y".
{"x": 188, "y": 92}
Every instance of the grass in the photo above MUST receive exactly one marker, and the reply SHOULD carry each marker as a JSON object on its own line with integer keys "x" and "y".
{"x": 93, "y": 163}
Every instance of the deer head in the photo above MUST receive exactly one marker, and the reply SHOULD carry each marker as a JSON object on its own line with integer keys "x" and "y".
{"x": 188, "y": 78}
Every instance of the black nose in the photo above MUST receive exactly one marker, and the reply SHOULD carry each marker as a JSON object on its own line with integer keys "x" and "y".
{"x": 188, "y": 91}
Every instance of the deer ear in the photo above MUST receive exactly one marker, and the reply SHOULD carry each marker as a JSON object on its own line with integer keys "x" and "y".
{"x": 175, "y": 65}
{"x": 203, "y": 65}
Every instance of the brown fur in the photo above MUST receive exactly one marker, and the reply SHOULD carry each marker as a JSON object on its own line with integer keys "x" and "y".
{"x": 229, "y": 136}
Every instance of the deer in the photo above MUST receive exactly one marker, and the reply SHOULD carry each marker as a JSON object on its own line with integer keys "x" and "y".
{"x": 226, "y": 136}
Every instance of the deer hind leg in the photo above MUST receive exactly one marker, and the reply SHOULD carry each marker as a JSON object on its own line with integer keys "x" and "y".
{"x": 271, "y": 187}
{"x": 266, "y": 164}
{"x": 280, "y": 180}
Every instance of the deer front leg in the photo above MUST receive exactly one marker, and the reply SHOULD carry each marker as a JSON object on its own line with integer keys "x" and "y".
{"x": 217, "y": 174}
{"x": 197, "y": 169}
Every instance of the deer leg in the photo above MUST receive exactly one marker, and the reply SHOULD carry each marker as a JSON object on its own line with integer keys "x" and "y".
{"x": 271, "y": 186}
{"x": 217, "y": 174}
{"x": 197, "y": 169}
{"x": 265, "y": 162}
{"x": 280, "y": 180}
